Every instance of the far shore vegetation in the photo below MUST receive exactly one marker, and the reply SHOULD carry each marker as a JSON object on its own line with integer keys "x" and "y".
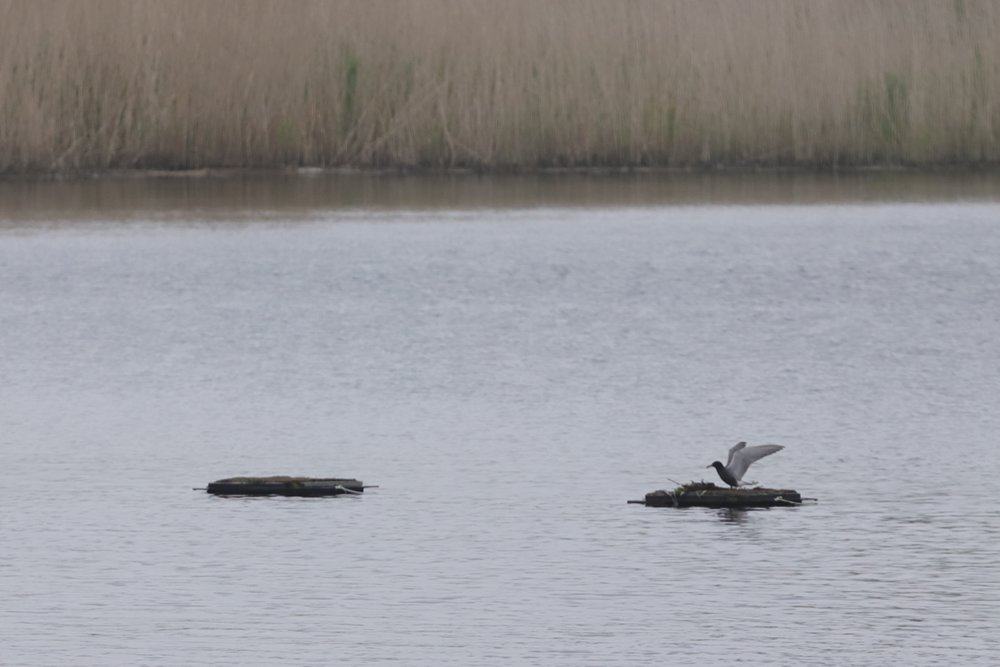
{"x": 497, "y": 84}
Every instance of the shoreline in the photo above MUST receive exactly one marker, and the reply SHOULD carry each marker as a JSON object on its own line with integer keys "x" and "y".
{"x": 403, "y": 171}
{"x": 298, "y": 193}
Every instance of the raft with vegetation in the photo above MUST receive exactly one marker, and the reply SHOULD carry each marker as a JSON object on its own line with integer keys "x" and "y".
{"x": 707, "y": 494}
{"x": 285, "y": 486}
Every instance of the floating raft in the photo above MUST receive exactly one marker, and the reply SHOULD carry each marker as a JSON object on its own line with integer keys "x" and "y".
{"x": 284, "y": 486}
{"x": 707, "y": 494}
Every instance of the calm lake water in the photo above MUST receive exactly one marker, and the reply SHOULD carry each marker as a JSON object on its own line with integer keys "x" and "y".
{"x": 511, "y": 360}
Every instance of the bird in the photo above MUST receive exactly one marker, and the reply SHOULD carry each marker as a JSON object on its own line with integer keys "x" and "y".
{"x": 740, "y": 458}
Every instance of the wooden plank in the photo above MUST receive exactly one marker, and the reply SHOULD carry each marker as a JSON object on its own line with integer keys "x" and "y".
{"x": 285, "y": 486}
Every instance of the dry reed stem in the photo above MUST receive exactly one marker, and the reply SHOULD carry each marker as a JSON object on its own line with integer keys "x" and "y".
{"x": 97, "y": 84}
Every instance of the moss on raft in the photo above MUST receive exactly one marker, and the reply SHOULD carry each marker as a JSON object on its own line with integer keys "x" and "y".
{"x": 280, "y": 479}
{"x": 709, "y": 486}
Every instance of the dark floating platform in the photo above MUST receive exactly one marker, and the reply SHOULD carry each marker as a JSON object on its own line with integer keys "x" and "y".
{"x": 707, "y": 494}
{"x": 308, "y": 487}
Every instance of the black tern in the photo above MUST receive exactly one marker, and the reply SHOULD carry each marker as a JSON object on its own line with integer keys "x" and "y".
{"x": 740, "y": 458}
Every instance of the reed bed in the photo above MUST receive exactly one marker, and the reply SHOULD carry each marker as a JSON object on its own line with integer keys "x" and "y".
{"x": 487, "y": 84}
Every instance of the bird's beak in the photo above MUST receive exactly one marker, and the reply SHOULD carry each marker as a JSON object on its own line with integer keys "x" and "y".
{"x": 708, "y": 466}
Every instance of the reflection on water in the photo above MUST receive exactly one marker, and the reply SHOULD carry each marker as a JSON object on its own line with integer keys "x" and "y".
{"x": 509, "y": 376}
{"x": 276, "y": 196}
{"x": 729, "y": 515}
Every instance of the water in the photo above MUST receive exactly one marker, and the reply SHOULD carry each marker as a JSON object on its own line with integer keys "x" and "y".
{"x": 510, "y": 370}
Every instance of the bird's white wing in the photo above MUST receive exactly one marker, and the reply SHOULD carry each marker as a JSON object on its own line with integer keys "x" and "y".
{"x": 742, "y": 458}
{"x": 732, "y": 450}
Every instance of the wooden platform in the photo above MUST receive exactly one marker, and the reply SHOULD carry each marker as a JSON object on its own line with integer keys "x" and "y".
{"x": 707, "y": 494}
{"x": 284, "y": 486}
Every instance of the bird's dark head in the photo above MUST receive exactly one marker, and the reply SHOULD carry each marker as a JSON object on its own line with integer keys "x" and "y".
{"x": 716, "y": 464}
